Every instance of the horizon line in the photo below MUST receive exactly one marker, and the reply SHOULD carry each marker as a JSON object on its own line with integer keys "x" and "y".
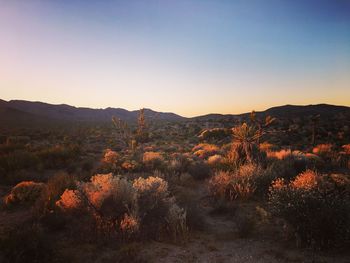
{"x": 171, "y": 112}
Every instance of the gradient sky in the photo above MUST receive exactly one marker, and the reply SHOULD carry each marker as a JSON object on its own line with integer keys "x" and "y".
{"x": 188, "y": 57}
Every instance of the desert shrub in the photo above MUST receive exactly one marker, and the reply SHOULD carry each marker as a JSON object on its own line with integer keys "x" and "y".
{"x": 17, "y": 160}
{"x": 266, "y": 147}
{"x": 109, "y": 200}
{"x": 327, "y": 154}
{"x": 343, "y": 157}
{"x": 179, "y": 164}
{"x": 154, "y": 207}
{"x": 316, "y": 206}
{"x": 346, "y": 148}
{"x": 177, "y": 222}
{"x": 55, "y": 187}
{"x": 240, "y": 184}
{"x": 59, "y": 156}
{"x": 17, "y": 140}
{"x": 239, "y": 155}
{"x": 216, "y": 161}
{"x": 109, "y": 162}
{"x": 154, "y": 196}
{"x": 284, "y": 168}
{"x": 214, "y": 134}
{"x": 280, "y": 155}
{"x": 152, "y": 160}
{"x": 243, "y": 183}
{"x": 204, "y": 150}
{"x": 185, "y": 179}
{"x": 123, "y": 210}
{"x": 110, "y": 157}
{"x": 25, "y": 193}
{"x": 199, "y": 170}
{"x": 323, "y": 150}
{"x": 219, "y": 185}
{"x": 130, "y": 166}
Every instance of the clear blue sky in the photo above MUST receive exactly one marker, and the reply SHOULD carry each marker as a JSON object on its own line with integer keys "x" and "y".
{"x": 188, "y": 57}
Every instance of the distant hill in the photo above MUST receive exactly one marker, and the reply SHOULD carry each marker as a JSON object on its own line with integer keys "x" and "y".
{"x": 286, "y": 111}
{"x": 65, "y": 112}
{"x": 22, "y": 113}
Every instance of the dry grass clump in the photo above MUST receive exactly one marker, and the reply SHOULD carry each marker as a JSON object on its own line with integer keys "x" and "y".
{"x": 306, "y": 180}
{"x": 316, "y": 206}
{"x": 327, "y": 153}
{"x": 323, "y": 149}
{"x": 215, "y": 160}
{"x": 280, "y": 155}
{"x": 240, "y": 184}
{"x": 179, "y": 164}
{"x": 152, "y": 160}
{"x": 26, "y": 192}
{"x": 266, "y": 147}
{"x": 204, "y": 150}
{"x": 219, "y": 185}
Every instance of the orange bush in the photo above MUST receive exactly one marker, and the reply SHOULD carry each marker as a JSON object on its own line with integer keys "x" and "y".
{"x": 306, "y": 180}
{"x": 25, "y": 192}
{"x": 346, "y": 148}
{"x": 280, "y": 155}
{"x": 204, "y": 150}
{"x": 110, "y": 157}
{"x": 322, "y": 149}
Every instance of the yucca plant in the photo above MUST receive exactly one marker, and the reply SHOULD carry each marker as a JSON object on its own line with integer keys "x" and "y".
{"x": 244, "y": 148}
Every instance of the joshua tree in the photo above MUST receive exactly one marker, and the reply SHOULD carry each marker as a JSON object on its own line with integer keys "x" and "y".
{"x": 261, "y": 124}
{"x": 123, "y": 131}
{"x": 142, "y": 134}
{"x": 244, "y": 148}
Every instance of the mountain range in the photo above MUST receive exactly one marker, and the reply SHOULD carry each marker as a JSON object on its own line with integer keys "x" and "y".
{"x": 27, "y": 112}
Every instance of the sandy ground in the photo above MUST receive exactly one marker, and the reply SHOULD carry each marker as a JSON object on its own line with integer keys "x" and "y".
{"x": 219, "y": 243}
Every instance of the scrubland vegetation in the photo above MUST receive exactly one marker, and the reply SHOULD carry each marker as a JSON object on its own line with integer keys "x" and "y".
{"x": 119, "y": 192}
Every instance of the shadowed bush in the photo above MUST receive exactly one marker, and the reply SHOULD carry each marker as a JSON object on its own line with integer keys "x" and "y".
{"x": 316, "y": 206}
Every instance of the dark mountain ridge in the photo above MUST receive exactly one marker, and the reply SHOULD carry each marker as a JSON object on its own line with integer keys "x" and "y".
{"x": 287, "y": 111}
{"x": 21, "y": 111}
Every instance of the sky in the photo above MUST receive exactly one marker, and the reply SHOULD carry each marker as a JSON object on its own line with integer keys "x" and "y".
{"x": 187, "y": 57}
